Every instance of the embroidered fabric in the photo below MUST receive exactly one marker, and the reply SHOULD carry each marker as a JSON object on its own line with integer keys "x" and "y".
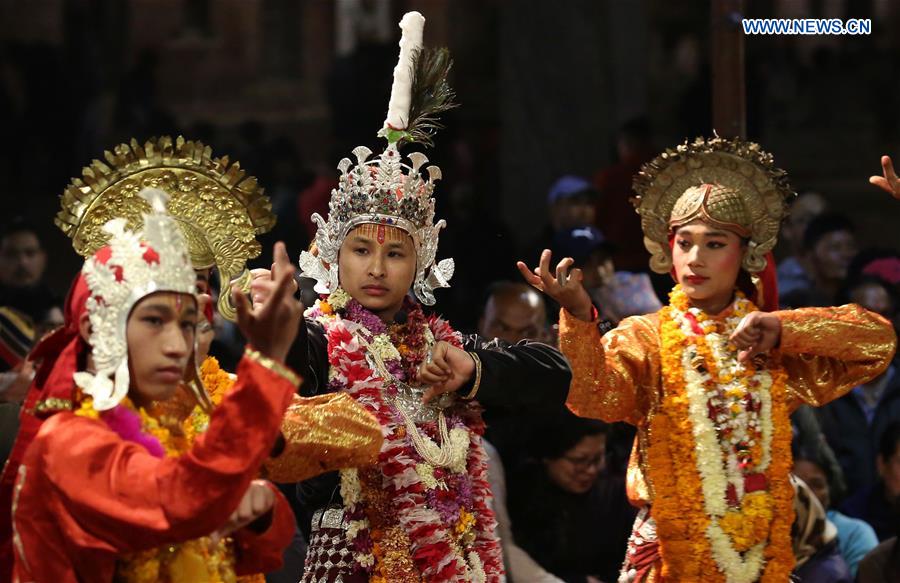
{"x": 140, "y": 263}
{"x": 328, "y": 558}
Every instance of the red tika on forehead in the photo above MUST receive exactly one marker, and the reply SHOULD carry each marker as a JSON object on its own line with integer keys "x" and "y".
{"x": 382, "y": 233}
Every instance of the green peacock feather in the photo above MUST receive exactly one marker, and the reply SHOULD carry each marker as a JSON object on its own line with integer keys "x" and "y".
{"x": 431, "y": 95}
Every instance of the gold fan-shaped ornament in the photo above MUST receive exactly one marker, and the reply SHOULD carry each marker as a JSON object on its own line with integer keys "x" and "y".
{"x": 739, "y": 166}
{"x": 219, "y": 207}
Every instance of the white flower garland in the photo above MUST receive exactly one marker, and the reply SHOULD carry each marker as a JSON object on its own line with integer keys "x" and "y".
{"x": 715, "y": 473}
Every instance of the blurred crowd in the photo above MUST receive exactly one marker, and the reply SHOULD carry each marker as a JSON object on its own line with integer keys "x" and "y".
{"x": 558, "y": 480}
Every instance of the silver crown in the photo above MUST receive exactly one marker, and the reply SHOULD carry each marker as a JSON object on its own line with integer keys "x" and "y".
{"x": 384, "y": 191}
{"x": 141, "y": 263}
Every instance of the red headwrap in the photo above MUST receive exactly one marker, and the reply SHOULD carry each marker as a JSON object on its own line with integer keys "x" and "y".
{"x": 58, "y": 354}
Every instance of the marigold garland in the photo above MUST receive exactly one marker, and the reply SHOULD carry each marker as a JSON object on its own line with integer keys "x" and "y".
{"x": 185, "y": 562}
{"x": 740, "y": 541}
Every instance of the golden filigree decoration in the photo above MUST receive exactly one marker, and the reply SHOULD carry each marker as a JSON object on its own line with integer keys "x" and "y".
{"x": 739, "y": 166}
{"x": 220, "y": 208}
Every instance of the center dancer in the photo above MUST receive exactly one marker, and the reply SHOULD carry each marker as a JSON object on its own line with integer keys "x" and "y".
{"x": 421, "y": 512}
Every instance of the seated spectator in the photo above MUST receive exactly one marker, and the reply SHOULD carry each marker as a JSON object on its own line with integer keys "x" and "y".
{"x": 829, "y": 246}
{"x": 882, "y": 263}
{"x": 875, "y": 504}
{"x": 570, "y": 203}
{"x": 616, "y": 294}
{"x": 794, "y": 271}
{"x": 814, "y": 540}
{"x": 568, "y": 513}
{"x": 854, "y": 424}
{"x": 855, "y": 537}
{"x": 513, "y": 311}
{"x": 22, "y": 264}
{"x": 882, "y": 565}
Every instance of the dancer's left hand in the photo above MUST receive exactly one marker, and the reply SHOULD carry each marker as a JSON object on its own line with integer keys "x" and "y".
{"x": 889, "y": 182}
{"x": 258, "y": 501}
{"x": 448, "y": 369}
{"x": 758, "y": 333}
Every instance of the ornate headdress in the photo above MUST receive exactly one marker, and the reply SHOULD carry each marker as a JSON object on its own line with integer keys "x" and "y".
{"x": 385, "y": 190}
{"x": 729, "y": 183}
{"x": 219, "y": 208}
{"x": 132, "y": 266}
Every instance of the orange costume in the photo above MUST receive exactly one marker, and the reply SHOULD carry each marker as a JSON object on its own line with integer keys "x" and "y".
{"x": 85, "y": 496}
{"x": 111, "y": 492}
{"x": 824, "y": 351}
{"x": 711, "y": 461}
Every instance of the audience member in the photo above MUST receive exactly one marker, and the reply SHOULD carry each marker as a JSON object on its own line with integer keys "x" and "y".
{"x": 875, "y": 504}
{"x": 814, "y": 540}
{"x": 854, "y": 424}
{"x": 855, "y": 537}
{"x": 794, "y": 271}
{"x": 615, "y": 213}
{"x": 829, "y": 246}
{"x": 616, "y": 294}
{"x": 580, "y": 528}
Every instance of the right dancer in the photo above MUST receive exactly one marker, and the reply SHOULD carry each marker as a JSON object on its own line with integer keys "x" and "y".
{"x": 710, "y": 380}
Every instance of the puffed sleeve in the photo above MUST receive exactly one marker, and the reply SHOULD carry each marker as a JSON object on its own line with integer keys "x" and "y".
{"x": 324, "y": 433}
{"x": 614, "y": 376}
{"x": 115, "y": 495}
{"x": 828, "y": 351}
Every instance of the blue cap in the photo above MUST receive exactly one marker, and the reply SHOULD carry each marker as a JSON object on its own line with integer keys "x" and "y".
{"x": 568, "y": 186}
{"x": 579, "y": 242}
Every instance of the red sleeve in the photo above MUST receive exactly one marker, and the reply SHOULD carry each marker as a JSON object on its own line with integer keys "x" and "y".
{"x": 262, "y": 552}
{"x": 115, "y": 494}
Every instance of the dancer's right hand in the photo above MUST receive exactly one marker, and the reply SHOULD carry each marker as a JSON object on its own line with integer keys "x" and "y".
{"x": 262, "y": 281}
{"x": 564, "y": 286}
{"x": 272, "y": 325}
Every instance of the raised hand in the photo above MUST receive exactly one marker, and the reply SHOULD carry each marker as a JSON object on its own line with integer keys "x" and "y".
{"x": 448, "y": 369}
{"x": 271, "y": 326}
{"x": 258, "y": 500}
{"x": 564, "y": 285}
{"x": 262, "y": 281}
{"x": 758, "y": 333}
{"x": 889, "y": 182}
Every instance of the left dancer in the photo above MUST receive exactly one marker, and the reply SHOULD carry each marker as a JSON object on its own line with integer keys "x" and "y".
{"x": 106, "y": 492}
{"x": 219, "y": 209}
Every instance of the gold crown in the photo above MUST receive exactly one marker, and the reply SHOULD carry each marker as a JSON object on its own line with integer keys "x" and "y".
{"x": 716, "y": 204}
{"x": 219, "y": 208}
{"x": 730, "y": 183}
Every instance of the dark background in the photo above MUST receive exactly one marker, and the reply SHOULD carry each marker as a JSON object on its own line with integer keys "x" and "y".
{"x": 289, "y": 87}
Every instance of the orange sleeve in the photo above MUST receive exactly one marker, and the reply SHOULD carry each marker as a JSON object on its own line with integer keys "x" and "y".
{"x": 614, "y": 377}
{"x": 114, "y": 494}
{"x": 828, "y": 351}
{"x": 321, "y": 434}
